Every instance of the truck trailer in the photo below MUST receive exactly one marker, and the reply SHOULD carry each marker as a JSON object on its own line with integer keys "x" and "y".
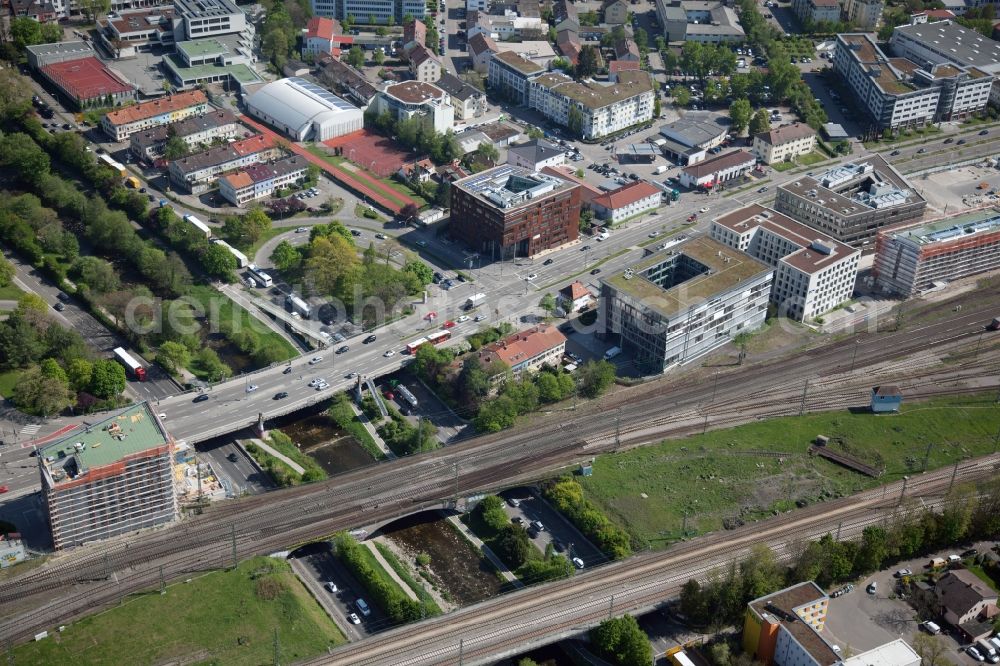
{"x": 199, "y": 225}
{"x": 241, "y": 259}
{"x": 474, "y": 300}
{"x": 296, "y": 304}
{"x": 132, "y": 366}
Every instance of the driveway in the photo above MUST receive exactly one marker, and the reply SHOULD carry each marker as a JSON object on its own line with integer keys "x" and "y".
{"x": 316, "y": 565}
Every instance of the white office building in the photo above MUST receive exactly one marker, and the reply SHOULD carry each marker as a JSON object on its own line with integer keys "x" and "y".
{"x": 813, "y": 272}
{"x": 416, "y": 99}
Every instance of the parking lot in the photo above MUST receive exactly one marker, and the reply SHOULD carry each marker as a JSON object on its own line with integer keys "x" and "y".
{"x": 321, "y": 567}
{"x": 429, "y": 406}
{"x": 524, "y": 507}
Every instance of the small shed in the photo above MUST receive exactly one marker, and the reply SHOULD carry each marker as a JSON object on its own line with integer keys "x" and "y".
{"x": 886, "y": 398}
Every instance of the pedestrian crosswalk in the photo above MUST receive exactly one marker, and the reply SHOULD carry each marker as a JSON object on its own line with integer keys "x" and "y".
{"x": 31, "y": 429}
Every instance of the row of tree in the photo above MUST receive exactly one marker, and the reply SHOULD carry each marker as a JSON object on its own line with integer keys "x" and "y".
{"x": 512, "y": 545}
{"x": 399, "y": 607}
{"x": 969, "y": 514}
{"x": 416, "y": 135}
{"x": 567, "y": 496}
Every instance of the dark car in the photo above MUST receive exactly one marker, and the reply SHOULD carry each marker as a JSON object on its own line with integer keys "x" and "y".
{"x": 281, "y": 395}
{"x": 595, "y": 271}
{"x": 921, "y": 151}
{"x": 584, "y": 248}
{"x": 201, "y": 398}
{"x": 984, "y": 133}
{"x": 286, "y": 370}
{"x": 960, "y": 142}
{"x": 66, "y": 126}
{"x": 62, "y": 296}
{"x": 142, "y": 190}
{"x": 972, "y": 552}
{"x": 232, "y": 457}
{"x": 370, "y": 339}
{"x": 547, "y": 262}
{"x": 948, "y": 140}
{"x": 59, "y": 307}
{"x": 344, "y": 349}
{"x": 894, "y": 153}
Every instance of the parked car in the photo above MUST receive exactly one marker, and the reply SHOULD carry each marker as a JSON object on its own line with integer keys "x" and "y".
{"x": 974, "y": 653}
{"x": 872, "y": 587}
{"x": 330, "y": 587}
{"x": 903, "y": 572}
{"x": 972, "y": 552}
{"x": 931, "y": 627}
{"x": 59, "y": 307}
{"x": 577, "y": 562}
{"x": 353, "y": 618}
{"x": 514, "y": 502}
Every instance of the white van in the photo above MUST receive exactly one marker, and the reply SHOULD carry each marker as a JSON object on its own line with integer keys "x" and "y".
{"x": 954, "y": 559}
{"x": 932, "y": 627}
{"x": 988, "y": 651}
{"x": 611, "y": 353}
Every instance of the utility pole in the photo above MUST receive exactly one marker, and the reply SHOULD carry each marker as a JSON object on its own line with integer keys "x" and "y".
{"x": 611, "y": 607}
{"x": 277, "y": 649}
{"x": 978, "y": 343}
{"x": 906, "y": 479}
{"x": 805, "y": 391}
{"x": 232, "y": 532}
{"x": 927, "y": 453}
{"x": 163, "y": 582}
{"x": 618, "y": 428}
{"x": 107, "y": 566}
{"x": 704, "y": 425}
{"x": 684, "y": 524}
{"x": 857, "y": 343}
{"x": 839, "y": 525}
{"x": 461, "y": 649}
{"x": 715, "y": 387}
{"x": 954, "y": 473}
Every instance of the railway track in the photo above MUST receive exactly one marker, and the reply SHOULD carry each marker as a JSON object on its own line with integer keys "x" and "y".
{"x": 79, "y": 583}
{"x": 637, "y": 583}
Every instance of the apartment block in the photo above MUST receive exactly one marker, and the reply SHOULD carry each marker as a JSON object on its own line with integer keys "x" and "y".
{"x": 676, "y": 305}
{"x": 705, "y": 21}
{"x": 115, "y": 477}
{"x": 509, "y": 75}
{"x": 258, "y": 181}
{"x": 813, "y": 272}
{"x": 127, "y": 34}
{"x": 852, "y": 201}
{"x": 469, "y": 102}
{"x": 416, "y": 100}
{"x": 508, "y": 212}
{"x": 898, "y": 92}
{"x": 912, "y": 259}
{"x": 590, "y": 109}
{"x": 864, "y": 13}
{"x": 784, "y": 143}
{"x": 122, "y": 123}
{"x": 195, "y": 173}
{"x": 424, "y": 65}
{"x": 817, "y": 11}
{"x": 194, "y": 131}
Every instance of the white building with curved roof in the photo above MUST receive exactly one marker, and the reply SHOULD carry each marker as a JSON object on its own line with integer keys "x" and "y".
{"x": 303, "y": 110}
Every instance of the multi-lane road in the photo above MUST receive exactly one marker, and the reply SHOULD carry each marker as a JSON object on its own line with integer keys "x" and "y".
{"x": 76, "y": 583}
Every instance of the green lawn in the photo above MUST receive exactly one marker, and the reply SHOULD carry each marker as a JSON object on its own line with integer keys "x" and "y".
{"x": 10, "y": 293}
{"x": 213, "y": 301}
{"x": 720, "y": 475}
{"x": 264, "y": 237}
{"x": 343, "y": 415}
{"x": 811, "y": 158}
{"x": 783, "y": 166}
{"x": 222, "y": 618}
{"x": 7, "y": 381}
{"x": 985, "y": 577}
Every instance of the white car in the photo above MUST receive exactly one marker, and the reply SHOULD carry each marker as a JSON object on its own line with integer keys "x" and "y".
{"x": 330, "y": 587}
{"x": 314, "y": 382}
{"x": 389, "y": 353}
{"x": 380, "y": 236}
{"x": 252, "y": 388}
{"x": 462, "y": 319}
{"x": 531, "y": 276}
{"x": 704, "y": 210}
{"x": 577, "y": 562}
{"x": 302, "y": 230}
{"x": 480, "y": 317}
{"x": 353, "y": 618}
{"x": 315, "y": 359}
{"x": 322, "y": 386}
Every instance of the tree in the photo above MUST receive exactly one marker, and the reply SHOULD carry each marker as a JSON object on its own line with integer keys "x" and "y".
{"x": 98, "y": 274}
{"x": 740, "y": 113}
{"x": 512, "y": 545}
{"x": 107, "y": 379}
{"x": 873, "y": 551}
{"x": 588, "y": 62}
{"x": 6, "y": 272}
{"x": 330, "y": 258}
{"x": 219, "y": 262}
{"x": 490, "y": 511}
{"x": 595, "y": 377}
{"x": 37, "y": 393}
{"x": 173, "y": 356}
{"x": 535, "y": 132}
{"x": 91, "y": 9}
{"x": 378, "y": 57}
{"x": 622, "y": 641}
{"x": 574, "y": 120}
{"x": 285, "y": 257}
{"x": 548, "y": 303}
{"x": 175, "y": 148}
{"x": 78, "y": 373}
{"x": 760, "y": 122}
{"x": 682, "y": 96}
{"x": 15, "y": 94}
{"x": 356, "y": 57}
{"x": 931, "y": 649}
{"x": 641, "y": 39}
{"x": 488, "y": 152}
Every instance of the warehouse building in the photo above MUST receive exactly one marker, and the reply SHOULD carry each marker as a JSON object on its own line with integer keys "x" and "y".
{"x": 852, "y": 201}
{"x": 86, "y": 82}
{"x": 688, "y": 141}
{"x": 912, "y": 259}
{"x": 113, "y": 478}
{"x": 508, "y": 212}
{"x": 717, "y": 171}
{"x": 813, "y": 273}
{"x": 678, "y": 304}
{"x": 258, "y": 181}
{"x": 194, "y": 131}
{"x": 121, "y": 124}
{"x": 705, "y": 21}
{"x": 40, "y": 55}
{"x": 304, "y": 111}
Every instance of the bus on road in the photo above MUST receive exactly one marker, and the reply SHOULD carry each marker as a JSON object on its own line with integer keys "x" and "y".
{"x": 438, "y": 337}
{"x": 412, "y": 347}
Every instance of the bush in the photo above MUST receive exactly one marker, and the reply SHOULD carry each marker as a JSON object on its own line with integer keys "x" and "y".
{"x": 567, "y": 496}
{"x": 399, "y": 607}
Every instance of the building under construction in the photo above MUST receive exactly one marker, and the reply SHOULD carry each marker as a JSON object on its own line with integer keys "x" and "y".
{"x": 916, "y": 258}
{"x": 114, "y": 477}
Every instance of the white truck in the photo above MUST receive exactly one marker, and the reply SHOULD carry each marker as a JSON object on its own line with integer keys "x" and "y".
{"x": 199, "y": 225}
{"x": 474, "y": 300}
{"x": 660, "y": 169}
{"x": 296, "y": 304}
